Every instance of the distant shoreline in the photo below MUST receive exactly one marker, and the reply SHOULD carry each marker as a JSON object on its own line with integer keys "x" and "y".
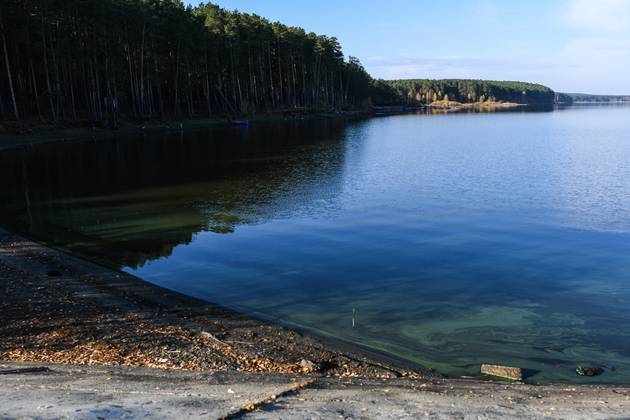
{"x": 600, "y": 102}
{"x": 39, "y": 133}
{"x": 33, "y": 133}
{"x": 36, "y": 132}
{"x": 489, "y": 105}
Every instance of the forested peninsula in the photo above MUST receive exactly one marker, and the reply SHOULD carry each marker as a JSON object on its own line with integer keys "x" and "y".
{"x": 99, "y": 62}
{"x": 466, "y": 91}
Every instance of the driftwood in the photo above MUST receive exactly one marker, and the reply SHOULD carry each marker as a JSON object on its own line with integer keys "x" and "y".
{"x": 23, "y": 370}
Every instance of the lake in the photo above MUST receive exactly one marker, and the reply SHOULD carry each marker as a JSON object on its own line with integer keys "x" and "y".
{"x": 448, "y": 240}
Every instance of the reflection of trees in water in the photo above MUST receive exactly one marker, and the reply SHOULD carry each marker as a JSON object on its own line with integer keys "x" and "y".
{"x": 130, "y": 200}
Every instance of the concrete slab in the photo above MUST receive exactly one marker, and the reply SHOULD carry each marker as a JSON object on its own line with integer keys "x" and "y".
{"x": 101, "y": 392}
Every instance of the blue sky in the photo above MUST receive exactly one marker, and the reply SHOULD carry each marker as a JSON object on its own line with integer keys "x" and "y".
{"x": 569, "y": 45}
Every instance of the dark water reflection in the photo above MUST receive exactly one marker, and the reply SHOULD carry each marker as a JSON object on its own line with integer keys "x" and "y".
{"x": 140, "y": 197}
{"x": 459, "y": 239}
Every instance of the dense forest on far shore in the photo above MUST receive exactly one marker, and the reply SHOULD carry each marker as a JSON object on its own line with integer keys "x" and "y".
{"x": 426, "y": 91}
{"x": 95, "y": 60}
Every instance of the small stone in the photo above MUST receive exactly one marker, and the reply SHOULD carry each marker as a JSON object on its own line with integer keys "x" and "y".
{"x": 507, "y": 372}
{"x": 589, "y": 371}
{"x": 308, "y": 366}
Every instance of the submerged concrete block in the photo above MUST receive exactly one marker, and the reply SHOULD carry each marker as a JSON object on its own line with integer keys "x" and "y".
{"x": 508, "y": 372}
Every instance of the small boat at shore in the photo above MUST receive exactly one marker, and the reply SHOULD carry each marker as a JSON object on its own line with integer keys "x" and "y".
{"x": 242, "y": 123}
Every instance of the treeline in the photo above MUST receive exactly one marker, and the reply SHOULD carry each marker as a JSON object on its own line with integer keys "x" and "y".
{"x": 95, "y": 61}
{"x": 569, "y": 98}
{"x": 426, "y": 91}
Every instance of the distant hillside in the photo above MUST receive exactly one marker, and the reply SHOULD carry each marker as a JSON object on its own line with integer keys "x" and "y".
{"x": 426, "y": 91}
{"x": 569, "y": 98}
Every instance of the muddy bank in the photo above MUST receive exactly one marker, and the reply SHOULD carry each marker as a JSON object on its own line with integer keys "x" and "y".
{"x": 55, "y": 308}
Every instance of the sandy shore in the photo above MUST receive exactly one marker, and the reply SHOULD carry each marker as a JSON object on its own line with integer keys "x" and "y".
{"x": 452, "y": 106}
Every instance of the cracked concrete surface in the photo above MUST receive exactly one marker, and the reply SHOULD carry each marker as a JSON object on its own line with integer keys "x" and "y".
{"x": 103, "y": 392}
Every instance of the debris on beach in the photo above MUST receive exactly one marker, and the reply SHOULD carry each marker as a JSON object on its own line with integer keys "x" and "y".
{"x": 589, "y": 371}
{"x": 506, "y": 372}
{"x": 307, "y": 366}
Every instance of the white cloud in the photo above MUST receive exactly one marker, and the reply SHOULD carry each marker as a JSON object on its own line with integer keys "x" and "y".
{"x": 599, "y": 53}
{"x": 447, "y": 67}
{"x": 599, "y": 64}
{"x": 590, "y": 54}
{"x": 600, "y": 15}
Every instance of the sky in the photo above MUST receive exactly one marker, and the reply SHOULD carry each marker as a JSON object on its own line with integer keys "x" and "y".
{"x": 569, "y": 45}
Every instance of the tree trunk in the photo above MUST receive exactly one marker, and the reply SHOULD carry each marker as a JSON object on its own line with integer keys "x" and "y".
{"x": 143, "y": 106}
{"x": 271, "y": 86}
{"x": 208, "y": 100}
{"x": 176, "y": 108}
{"x": 8, "y": 67}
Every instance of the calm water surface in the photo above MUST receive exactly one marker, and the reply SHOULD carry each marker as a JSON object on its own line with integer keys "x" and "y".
{"x": 459, "y": 239}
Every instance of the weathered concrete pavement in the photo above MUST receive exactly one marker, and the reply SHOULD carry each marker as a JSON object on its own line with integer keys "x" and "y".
{"x": 101, "y": 392}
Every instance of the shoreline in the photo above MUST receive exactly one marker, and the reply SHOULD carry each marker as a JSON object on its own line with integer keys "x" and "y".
{"x": 46, "y": 133}
{"x": 139, "y": 302}
{"x": 375, "y": 357}
{"x": 50, "y": 134}
{"x": 238, "y": 341}
{"x": 180, "y": 355}
{"x": 451, "y": 106}
{"x": 75, "y": 321}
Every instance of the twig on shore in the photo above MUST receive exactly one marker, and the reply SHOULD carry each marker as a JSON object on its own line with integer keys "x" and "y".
{"x": 206, "y": 334}
{"x": 267, "y": 401}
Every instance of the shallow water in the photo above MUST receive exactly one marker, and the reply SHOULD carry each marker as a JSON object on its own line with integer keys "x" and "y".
{"x": 458, "y": 239}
